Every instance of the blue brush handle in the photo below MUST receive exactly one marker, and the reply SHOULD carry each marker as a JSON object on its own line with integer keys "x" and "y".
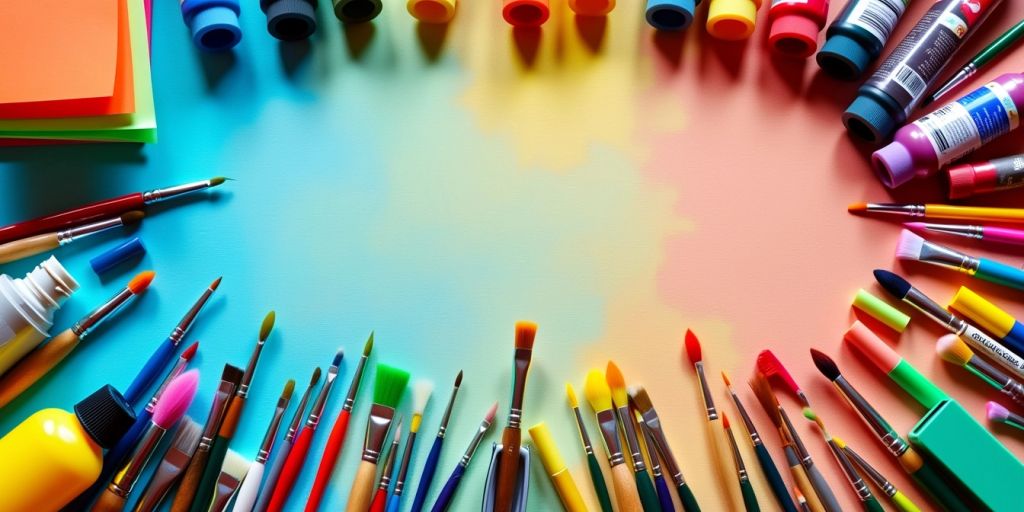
{"x": 771, "y": 473}
{"x": 275, "y": 472}
{"x": 822, "y": 489}
{"x": 113, "y": 461}
{"x": 448, "y": 491}
{"x": 156, "y": 366}
{"x": 429, "y": 468}
{"x": 664, "y": 495}
{"x": 1000, "y": 273}
{"x": 393, "y": 503}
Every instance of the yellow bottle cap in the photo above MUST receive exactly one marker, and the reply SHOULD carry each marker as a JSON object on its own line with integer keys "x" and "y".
{"x": 981, "y": 312}
{"x": 432, "y": 11}
{"x": 732, "y": 20}
{"x": 545, "y": 444}
{"x": 881, "y": 310}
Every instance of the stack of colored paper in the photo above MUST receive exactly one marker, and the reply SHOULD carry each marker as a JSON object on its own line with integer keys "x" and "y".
{"x": 75, "y": 71}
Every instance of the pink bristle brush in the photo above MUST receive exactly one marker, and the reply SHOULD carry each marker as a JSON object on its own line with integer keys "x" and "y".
{"x": 771, "y": 367}
{"x": 1000, "y": 414}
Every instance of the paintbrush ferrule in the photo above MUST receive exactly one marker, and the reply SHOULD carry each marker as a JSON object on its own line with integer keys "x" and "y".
{"x": 317, "y": 410}
{"x": 71, "y": 234}
{"x": 177, "y": 370}
{"x": 875, "y": 421}
{"x": 268, "y": 439}
{"x": 969, "y": 231}
{"x": 884, "y": 485}
{"x": 609, "y": 430}
{"x": 103, "y": 312}
{"x": 293, "y": 426}
{"x": 350, "y": 397}
{"x": 447, "y": 413}
{"x": 217, "y": 410}
{"x": 377, "y": 427}
{"x": 653, "y": 423}
{"x": 913, "y": 210}
{"x": 186, "y": 321}
{"x": 403, "y": 468}
{"x": 587, "y": 446}
{"x": 250, "y": 369}
{"x": 946, "y": 257}
{"x": 632, "y": 441}
{"x": 861, "y": 488}
{"x": 932, "y": 309}
{"x": 475, "y": 443}
{"x": 805, "y": 456}
{"x": 755, "y": 437}
{"x": 709, "y": 402}
{"x": 1007, "y": 385}
{"x": 126, "y": 478}
{"x": 161, "y": 194}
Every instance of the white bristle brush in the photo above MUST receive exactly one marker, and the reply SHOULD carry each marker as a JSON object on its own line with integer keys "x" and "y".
{"x": 913, "y": 247}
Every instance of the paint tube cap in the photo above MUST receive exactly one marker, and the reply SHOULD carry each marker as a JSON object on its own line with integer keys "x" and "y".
{"x": 731, "y": 20}
{"x": 869, "y": 344}
{"x": 794, "y": 35}
{"x": 357, "y": 11}
{"x": 432, "y": 11}
{"x": 291, "y": 20}
{"x": 881, "y": 310}
{"x": 592, "y": 7}
{"x": 867, "y": 119}
{"x": 843, "y": 57}
{"x": 105, "y": 415}
{"x": 894, "y": 164}
{"x": 131, "y": 249}
{"x": 963, "y": 181}
{"x": 670, "y": 14}
{"x": 215, "y": 28}
{"x": 525, "y": 13}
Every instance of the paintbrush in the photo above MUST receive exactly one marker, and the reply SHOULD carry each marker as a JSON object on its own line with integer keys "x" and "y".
{"x": 749, "y": 498}
{"x": 277, "y": 466}
{"x": 511, "y": 437}
{"x": 30, "y": 246}
{"x": 175, "y": 401}
{"x": 297, "y": 456}
{"x": 772, "y": 368}
{"x": 801, "y": 500}
{"x": 421, "y": 391}
{"x": 332, "y": 450}
{"x": 40, "y": 361}
{"x": 620, "y": 399}
{"x": 208, "y": 484}
{"x": 177, "y": 457}
{"x": 164, "y": 353}
{"x": 250, "y": 488}
{"x": 664, "y": 494}
{"x": 380, "y": 498}
{"x": 596, "y": 475}
{"x": 1000, "y": 414}
{"x": 899, "y": 500}
{"x": 231, "y": 475}
{"x": 229, "y": 380}
{"x": 430, "y": 466}
{"x": 638, "y": 395}
{"x": 977, "y": 232}
{"x": 444, "y": 499}
{"x": 913, "y": 247}
{"x": 864, "y": 494}
{"x": 953, "y": 350}
{"x": 388, "y": 387}
{"x": 716, "y": 433}
{"x": 764, "y": 459}
{"x": 599, "y": 395}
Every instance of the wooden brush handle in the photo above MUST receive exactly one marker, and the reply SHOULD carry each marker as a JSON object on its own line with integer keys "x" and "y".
{"x": 800, "y": 478}
{"x": 109, "y": 502}
{"x": 35, "y": 365}
{"x": 722, "y": 450}
{"x": 190, "y": 482}
{"x": 508, "y": 469}
{"x": 625, "y": 489}
{"x": 18, "y": 249}
{"x": 362, "y": 487}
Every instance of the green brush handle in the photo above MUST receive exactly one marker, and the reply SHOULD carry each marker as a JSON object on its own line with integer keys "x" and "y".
{"x": 208, "y": 483}
{"x": 749, "y": 498}
{"x": 939, "y": 490}
{"x": 771, "y": 473}
{"x": 648, "y": 496}
{"x": 871, "y": 505}
{"x": 600, "y": 488}
{"x": 687, "y": 498}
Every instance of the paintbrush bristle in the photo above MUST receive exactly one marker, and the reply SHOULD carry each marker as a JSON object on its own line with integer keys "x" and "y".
{"x": 389, "y": 385}
{"x": 398, "y": 430}
{"x": 640, "y": 398}
{"x": 597, "y": 392}
{"x": 235, "y": 465}
{"x": 232, "y": 374}
{"x": 839, "y": 442}
{"x": 525, "y": 334}
{"x": 421, "y": 390}
{"x": 216, "y": 283}
{"x": 892, "y": 283}
{"x": 770, "y": 366}
{"x": 141, "y": 281}
{"x": 458, "y": 379}
{"x": 571, "y": 393}
{"x": 132, "y": 217}
{"x": 316, "y": 377}
{"x": 267, "y": 326}
{"x": 368, "y": 346}
{"x": 766, "y": 398}
{"x": 190, "y": 352}
{"x": 725, "y": 420}
{"x": 289, "y": 388}
{"x": 489, "y": 417}
{"x": 617, "y": 383}
{"x": 217, "y": 180}
{"x": 725, "y": 378}
{"x": 187, "y": 437}
{"x": 825, "y": 364}
{"x": 909, "y": 245}
{"x": 953, "y": 350}
{"x": 996, "y": 412}
{"x": 857, "y": 208}
{"x": 176, "y": 399}
{"x": 338, "y": 356}
{"x": 692, "y": 345}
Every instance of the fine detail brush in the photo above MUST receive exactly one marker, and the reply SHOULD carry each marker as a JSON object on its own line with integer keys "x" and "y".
{"x": 599, "y": 395}
{"x": 642, "y": 401}
{"x": 30, "y": 246}
{"x": 430, "y": 466}
{"x": 208, "y": 484}
{"x": 250, "y": 488}
{"x": 270, "y": 482}
{"x": 380, "y": 498}
{"x": 175, "y": 460}
{"x": 718, "y": 443}
{"x": 164, "y": 353}
{"x": 332, "y": 450}
{"x": 40, "y": 361}
{"x": 996, "y": 234}
{"x": 867, "y": 499}
{"x": 898, "y": 499}
{"x": 942, "y": 211}
{"x": 389, "y": 384}
{"x": 764, "y": 459}
{"x": 172, "y": 406}
{"x": 297, "y": 456}
{"x": 660, "y": 485}
{"x": 229, "y": 380}
{"x": 421, "y": 391}
{"x": 232, "y": 473}
{"x": 913, "y": 247}
{"x": 620, "y": 399}
{"x": 953, "y": 350}
{"x": 1000, "y": 414}
{"x": 749, "y": 498}
{"x": 596, "y": 475}
{"x": 444, "y": 499}
{"x": 511, "y": 437}
{"x": 769, "y": 365}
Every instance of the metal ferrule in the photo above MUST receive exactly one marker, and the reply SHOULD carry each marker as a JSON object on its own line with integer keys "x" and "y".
{"x": 884, "y": 485}
{"x": 1008, "y": 385}
{"x": 929, "y": 307}
{"x": 317, "y": 410}
{"x": 98, "y": 315}
{"x": 250, "y": 369}
{"x": 709, "y": 403}
{"x": 861, "y": 488}
{"x": 587, "y": 446}
{"x": 293, "y": 427}
{"x": 755, "y": 438}
{"x": 186, "y": 321}
{"x": 875, "y": 421}
{"x": 268, "y": 438}
{"x": 960, "y": 77}
{"x": 173, "y": 374}
{"x": 160, "y": 194}
{"x": 475, "y": 443}
{"x": 220, "y": 402}
{"x": 403, "y": 469}
{"x": 377, "y": 426}
{"x": 741, "y": 469}
{"x": 129, "y": 474}
{"x": 913, "y": 210}
{"x": 609, "y": 430}
{"x": 668, "y": 459}
{"x": 632, "y": 442}
{"x": 946, "y": 257}
{"x": 447, "y": 413}
{"x": 801, "y": 450}
{"x": 71, "y": 234}
{"x": 969, "y": 231}
{"x": 515, "y": 410}
{"x": 389, "y": 463}
{"x": 350, "y": 398}
{"x": 515, "y": 418}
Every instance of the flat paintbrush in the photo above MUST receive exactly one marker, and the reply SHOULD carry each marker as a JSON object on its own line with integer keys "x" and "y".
{"x": 430, "y": 466}
{"x": 421, "y": 391}
{"x": 620, "y": 399}
{"x": 447, "y": 494}
{"x": 599, "y": 395}
{"x": 596, "y": 475}
{"x": 645, "y": 407}
{"x": 175, "y": 460}
{"x": 511, "y": 437}
{"x": 30, "y": 246}
{"x": 277, "y": 465}
{"x": 380, "y": 498}
{"x": 232, "y": 473}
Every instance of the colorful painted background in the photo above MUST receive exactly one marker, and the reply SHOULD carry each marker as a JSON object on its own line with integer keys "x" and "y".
{"x": 435, "y": 185}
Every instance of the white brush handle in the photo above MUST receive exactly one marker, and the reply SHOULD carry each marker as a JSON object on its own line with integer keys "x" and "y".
{"x": 250, "y": 489}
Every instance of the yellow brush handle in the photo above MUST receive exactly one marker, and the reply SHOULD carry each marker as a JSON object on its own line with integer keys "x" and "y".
{"x": 109, "y": 502}
{"x": 18, "y": 249}
{"x": 625, "y": 489}
{"x": 804, "y": 483}
{"x": 362, "y": 488}
{"x": 722, "y": 450}
{"x": 974, "y": 213}
{"x": 36, "y": 364}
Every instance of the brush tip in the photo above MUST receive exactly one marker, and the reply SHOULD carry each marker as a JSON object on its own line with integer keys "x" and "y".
{"x": 892, "y": 283}
{"x": 916, "y": 226}
{"x": 770, "y": 365}
{"x": 909, "y": 245}
{"x": 953, "y": 350}
{"x": 996, "y": 412}
{"x": 232, "y": 374}
{"x": 421, "y": 391}
{"x": 725, "y": 378}
{"x": 692, "y": 344}
{"x": 458, "y": 379}
{"x": 338, "y": 356}
{"x": 267, "y": 325}
{"x": 217, "y": 180}
{"x": 525, "y": 334}
{"x": 216, "y": 283}
{"x": 315, "y": 378}
{"x": 839, "y": 442}
{"x": 640, "y": 398}
{"x": 825, "y": 364}
{"x": 725, "y": 420}
{"x": 389, "y": 384}
{"x": 141, "y": 281}
{"x": 289, "y": 388}
{"x": 176, "y": 399}
{"x": 809, "y": 414}
{"x": 132, "y": 217}
{"x": 571, "y": 393}
{"x": 597, "y": 392}
{"x": 368, "y": 346}
{"x": 857, "y": 208}
{"x": 190, "y": 352}
{"x": 491, "y": 412}
{"x": 617, "y": 383}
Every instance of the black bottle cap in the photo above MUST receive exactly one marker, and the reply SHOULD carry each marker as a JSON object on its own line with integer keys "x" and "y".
{"x": 105, "y": 415}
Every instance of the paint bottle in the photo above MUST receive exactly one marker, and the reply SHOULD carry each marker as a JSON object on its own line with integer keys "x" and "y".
{"x": 732, "y": 20}
{"x": 214, "y": 23}
{"x": 983, "y": 177}
{"x": 951, "y": 132}
{"x": 54, "y": 455}
{"x": 670, "y": 15}
{"x": 27, "y": 306}
{"x": 290, "y": 20}
{"x": 899, "y": 85}
{"x": 856, "y": 38}
{"x": 795, "y": 25}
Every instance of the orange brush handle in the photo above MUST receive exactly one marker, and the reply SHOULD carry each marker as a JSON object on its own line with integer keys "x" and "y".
{"x": 109, "y": 502}
{"x": 379, "y": 500}
{"x": 190, "y": 482}
{"x": 331, "y": 453}
{"x": 508, "y": 469}
{"x": 35, "y": 365}
{"x": 624, "y": 483}
{"x": 292, "y": 467}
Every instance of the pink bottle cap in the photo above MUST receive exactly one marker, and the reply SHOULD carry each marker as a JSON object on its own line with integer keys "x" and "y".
{"x": 894, "y": 164}
{"x": 794, "y": 35}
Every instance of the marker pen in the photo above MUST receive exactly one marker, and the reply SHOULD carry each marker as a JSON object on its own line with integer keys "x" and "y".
{"x": 214, "y": 23}
{"x": 795, "y": 25}
{"x": 670, "y": 15}
{"x": 899, "y": 85}
{"x": 894, "y": 366}
{"x": 856, "y": 38}
{"x": 983, "y": 177}
{"x": 732, "y": 20}
{"x": 951, "y": 132}
{"x": 989, "y": 317}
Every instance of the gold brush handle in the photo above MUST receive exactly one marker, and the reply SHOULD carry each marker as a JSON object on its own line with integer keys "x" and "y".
{"x": 804, "y": 483}
{"x": 625, "y": 489}
{"x": 362, "y": 488}
{"x": 18, "y": 249}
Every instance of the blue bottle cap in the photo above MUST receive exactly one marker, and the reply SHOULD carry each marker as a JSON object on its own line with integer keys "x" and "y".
{"x": 670, "y": 14}
{"x": 291, "y": 20}
{"x": 215, "y": 28}
{"x": 131, "y": 249}
{"x": 843, "y": 57}
{"x": 867, "y": 119}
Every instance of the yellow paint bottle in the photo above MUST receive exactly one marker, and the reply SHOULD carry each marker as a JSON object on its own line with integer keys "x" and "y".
{"x": 54, "y": 455}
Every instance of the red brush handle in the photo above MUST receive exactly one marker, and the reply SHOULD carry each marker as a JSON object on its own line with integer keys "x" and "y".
{"x": 379, "y": 500}
{"x": 330, "y": 458}
{"x": 72, "y": 217}
{"x": 292, "y": 468}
